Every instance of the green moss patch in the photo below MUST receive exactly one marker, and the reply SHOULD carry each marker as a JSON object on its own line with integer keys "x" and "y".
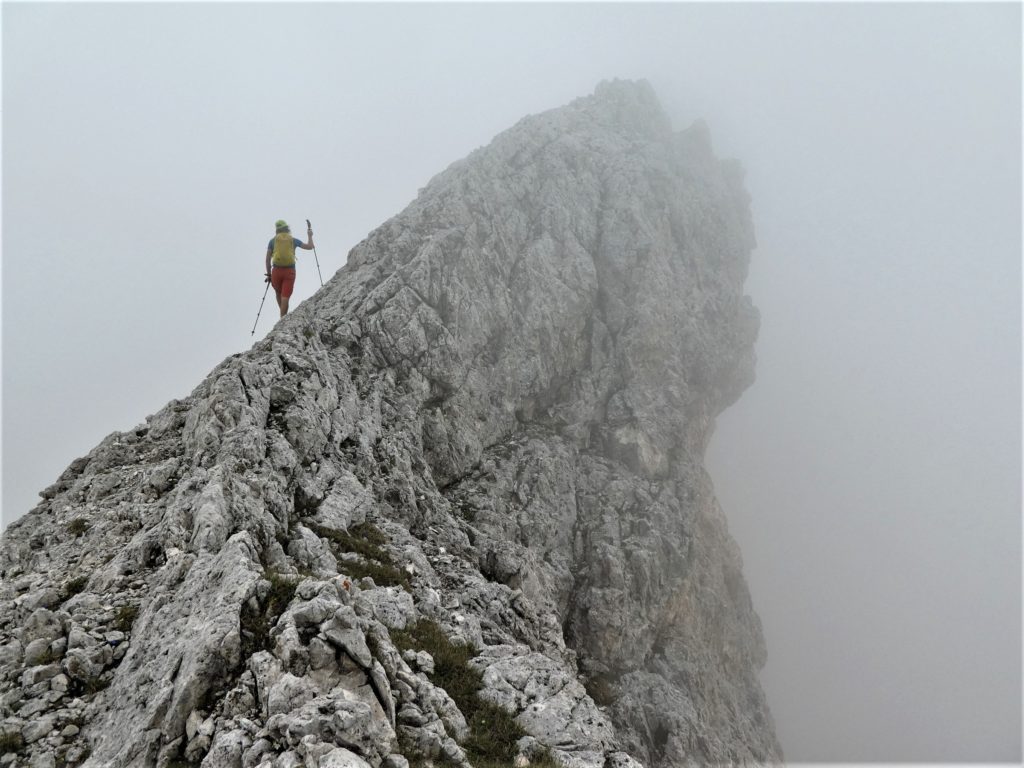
{"x": 493, "y": 731}
{"x": 91, "y": 686}
{"x": 367, "y": 541}
{"x": 73, "y": 587}
{"x": 11, "y": 743}
{"x": 78, "y": 527}
{"x": 125, "y": 618}
{"x": 361, "y": 538}
{"x": 256, "y": 624}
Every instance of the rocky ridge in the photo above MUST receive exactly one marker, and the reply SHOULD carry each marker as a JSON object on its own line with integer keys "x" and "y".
{"x": 451, "y": 511}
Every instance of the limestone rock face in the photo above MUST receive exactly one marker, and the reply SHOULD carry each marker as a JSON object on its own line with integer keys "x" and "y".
{"x": 490, "y": 424}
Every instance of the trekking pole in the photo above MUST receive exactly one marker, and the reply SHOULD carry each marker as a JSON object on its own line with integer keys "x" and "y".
{"x": 261, "y": 308}
{"x": 309, "y": 227}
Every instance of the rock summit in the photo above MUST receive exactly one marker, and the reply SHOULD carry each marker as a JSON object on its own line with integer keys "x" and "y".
{"x": 452, "y": 510}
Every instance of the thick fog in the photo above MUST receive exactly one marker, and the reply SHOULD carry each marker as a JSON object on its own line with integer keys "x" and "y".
{"x": 872, "y": 474}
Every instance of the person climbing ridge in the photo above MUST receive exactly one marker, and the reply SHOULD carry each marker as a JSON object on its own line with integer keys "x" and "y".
{"x": 281, "y": 256}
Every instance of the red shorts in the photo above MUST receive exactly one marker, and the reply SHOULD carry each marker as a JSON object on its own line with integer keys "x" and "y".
{"x": 283, "y": 280}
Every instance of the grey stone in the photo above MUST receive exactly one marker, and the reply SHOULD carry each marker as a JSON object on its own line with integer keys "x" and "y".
{"x": 161, "y": 478}
{"x": 79, "y": 638}
{"x": 553, "y": 705}
{"x": 513, "y": 380}
{"x": 241, "y": 699}
{"x": 289, "y": 693}
{"x": 382, "y": 690}
{"x": 313, "y": 749}
{"x": 60, "y": 683}
{"x": 345, "y": 618}
{"x": 341, "y": 716}
{"x": 391, "y": 606}
{"x": 38, "y": 727}
{"x": 425, "y": 662}
{"x": 314, "y": 612}
{"x": 254, "y": 754}
{"x": 342, "y": 758}
{"x": 321, "y": 654}
{"x": 43, "y": 760}
{"x": 34, "y": 707}
{"x": 36, "y": 652}
{"x": 58, "y": 647}
{"x": 410, "y": 714}
{"x": 43, "y": 598}
{"x": 82, "y": 666}
{"x": 39, "y": 674}
{"x": 208, "y": 727}
{"x": 288, "y": 646}
{"x": 346, "y": 503}
{"x": 621, "y": 760}
{"x": 44, "y": 624}
{"x": 310, "y": 552}
{"x": 227, "y": 749}
{"x": 198, "y": 746}
{"x": 192, "y": 723}
{"x": 12, "y": 653}
{"x": 351, "y": 641}
{"x": 436, "y": 700}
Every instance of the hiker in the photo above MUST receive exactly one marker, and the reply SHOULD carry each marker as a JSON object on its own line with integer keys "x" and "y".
{"x": 281, "y": 254}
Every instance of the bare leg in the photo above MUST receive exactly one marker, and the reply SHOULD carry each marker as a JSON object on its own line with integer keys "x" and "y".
{"x": 283, "y": 303}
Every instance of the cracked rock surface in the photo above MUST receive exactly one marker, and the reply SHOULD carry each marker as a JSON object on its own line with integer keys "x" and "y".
{"x": 491, "y": 422}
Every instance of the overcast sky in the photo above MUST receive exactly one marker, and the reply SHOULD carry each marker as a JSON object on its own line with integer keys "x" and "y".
{"x": 871, "y": 475}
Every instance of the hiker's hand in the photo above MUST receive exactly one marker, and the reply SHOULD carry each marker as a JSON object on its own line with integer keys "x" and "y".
{"x": 267, "y": 276}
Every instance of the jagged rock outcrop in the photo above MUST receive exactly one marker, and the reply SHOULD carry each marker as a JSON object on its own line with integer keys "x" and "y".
{"x": 463, "y": 482}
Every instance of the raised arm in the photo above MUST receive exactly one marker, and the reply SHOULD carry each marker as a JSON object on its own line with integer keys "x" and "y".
{"x": 309, "y": 233}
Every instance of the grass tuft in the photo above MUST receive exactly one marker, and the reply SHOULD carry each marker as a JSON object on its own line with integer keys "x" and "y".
{"x": 91, "y": 686}
{"x": 125, "y": 618}
{"x": 382, "y": 575}
{"x": 361, "y": 538}
{"x": 78, "y": 526}
{"x": 11, "y": 743}
{"x": 73, "y": 587}
{"x": 282, "y": 590}
{"x": 256, "y": 625}
{"x": 493, "y": 731}
{"x": 367, "y": 541}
